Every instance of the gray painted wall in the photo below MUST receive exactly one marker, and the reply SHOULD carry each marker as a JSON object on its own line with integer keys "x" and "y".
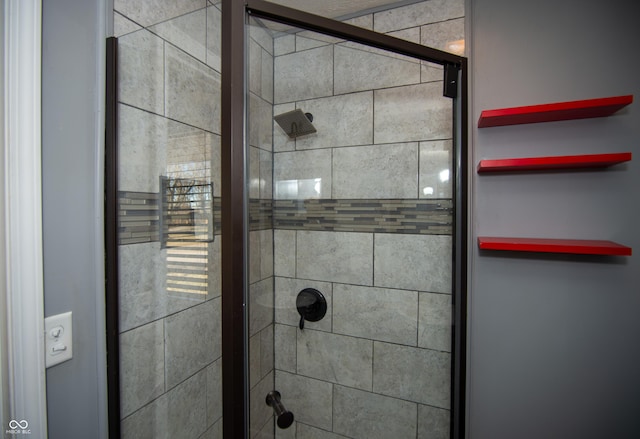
{"x": 72, "y": 218}
{"x": 553, "y": 340}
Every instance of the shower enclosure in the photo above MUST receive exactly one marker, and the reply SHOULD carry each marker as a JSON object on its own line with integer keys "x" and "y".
{"x": 286, "y": 226}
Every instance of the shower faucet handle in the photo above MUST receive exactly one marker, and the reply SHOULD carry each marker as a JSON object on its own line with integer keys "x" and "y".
{"x": 311, "y": 305}
{"x": 284, "y": 418}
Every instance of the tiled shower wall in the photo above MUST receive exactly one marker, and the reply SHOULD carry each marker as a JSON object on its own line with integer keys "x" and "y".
{"x": 378, "y": 365}
{"x": 169, "y": 125}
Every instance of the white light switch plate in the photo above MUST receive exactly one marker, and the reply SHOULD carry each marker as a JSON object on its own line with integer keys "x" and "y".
{"x": 58, "y": 336}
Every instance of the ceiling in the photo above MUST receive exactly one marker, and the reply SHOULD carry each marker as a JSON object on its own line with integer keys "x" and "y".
{"x": 341, "y": 8}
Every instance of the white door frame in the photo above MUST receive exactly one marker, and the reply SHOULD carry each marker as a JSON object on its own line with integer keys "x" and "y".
{"x": 23, "y": 214}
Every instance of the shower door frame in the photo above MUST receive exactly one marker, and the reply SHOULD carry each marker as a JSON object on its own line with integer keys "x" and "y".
{"x": 234, "y": 198}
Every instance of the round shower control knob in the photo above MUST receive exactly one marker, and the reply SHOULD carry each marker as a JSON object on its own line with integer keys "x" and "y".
{"x": 311, "y": 305}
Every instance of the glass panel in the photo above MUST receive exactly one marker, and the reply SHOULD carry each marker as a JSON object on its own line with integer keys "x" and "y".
{"x": 169, "y": 220}
{"x": 360, "y": 211}
{"x": 260, "y": 190}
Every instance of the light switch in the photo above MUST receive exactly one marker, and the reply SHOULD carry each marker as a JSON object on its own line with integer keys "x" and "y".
{"x": 58, "y": 333}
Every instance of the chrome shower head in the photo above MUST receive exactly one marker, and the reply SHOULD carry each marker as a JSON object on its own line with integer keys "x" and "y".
{"x": 295, "y": 123}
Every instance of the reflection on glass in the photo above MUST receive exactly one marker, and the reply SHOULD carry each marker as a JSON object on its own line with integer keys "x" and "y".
{"x": 299, "y": 189}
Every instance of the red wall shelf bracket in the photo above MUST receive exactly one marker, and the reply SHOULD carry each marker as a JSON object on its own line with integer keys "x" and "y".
{"x": 571, "y": 246}
{"x": 600, "y": 107}
{"x": 553, "y": 163}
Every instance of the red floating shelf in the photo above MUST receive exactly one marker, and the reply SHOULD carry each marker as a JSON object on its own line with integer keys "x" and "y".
{"x": 572, "y": 246}
{"x": 552, "y": 163}
{"x": 600, "y": 107}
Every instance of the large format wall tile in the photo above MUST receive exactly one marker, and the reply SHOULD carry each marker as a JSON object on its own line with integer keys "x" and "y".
{"x": 418, "y": 14}
{"x": 285, "y": 347}
{"x": 308, "y": 432}
{"x": 436, "y": 178}
{"x": 141, "y": 366}
{"x": 260, "y": 123}
{"x": 365, "y": 415}
{"x": 358, "y": 69}
{"x": 376, "y": 171}
{"x": 375, "y": 313}
{"x": 414, "y": 374}
{"x": 260, "y": 305}
{"x": 413, "y": 262}
{"x": 303, "y": 75}
{"x": 122, "y": 25}
{"x": 214, "y": 37}
{"x": 214, "y": 272}
{"x": 193, "y": 340}
{"x": 187, "y": 32}
{"x": 335, "y": 358}
{"x": 340, "y": 120}
{"x": 254, "y": 171}
{"x": 213, "y": 154}
{"x": 262, "y": 35}
{"x": 260, "y": 71}
{"x": 266, "y": 350}
{"x": 260, "y": 255}
{"x": 192, "y": 91}
{"x": 335, "y": 257}
{"x": 433, "y": 423}
{"x": 259, "y": 412}
{"x": 141, "y": 71}
{"x": 148, "y": 12}
{"x": 284, "y": 44}
{"x": 284, "y": 254}
{"x": 266, "y": 175}
{"x": 286, "y": 291}
{"x": 289, "y": 433}
{"x": 447, "y": 36}
{"x": 254, "y": 360}
{"x": 214, "y": 432}
{"x": 308, "y": 399}
{"x": 141, "y": 285}
{"x": 181, "y": 412}
{"x": 260, "y": 355}
{"x": 151, "y": 146}
{"x": 302, "y": 174}
{"x": 413, "y": 112}
{"x": 434, "y": 328}
{"x": 214, "y": 392}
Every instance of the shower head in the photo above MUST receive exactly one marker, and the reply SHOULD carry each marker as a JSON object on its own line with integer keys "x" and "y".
{"x": 295, "y": 123}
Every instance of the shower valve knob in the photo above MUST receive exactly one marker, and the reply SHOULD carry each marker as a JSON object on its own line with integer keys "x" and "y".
{"x": 311, "y": 305}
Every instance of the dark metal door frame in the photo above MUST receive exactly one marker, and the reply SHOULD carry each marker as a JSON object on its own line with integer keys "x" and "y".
{"x": 234, "y": 199}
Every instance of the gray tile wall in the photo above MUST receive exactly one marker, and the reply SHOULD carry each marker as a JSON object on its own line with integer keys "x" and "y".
{"x": 169, "y": 125}
{"x": 378, "y": 365}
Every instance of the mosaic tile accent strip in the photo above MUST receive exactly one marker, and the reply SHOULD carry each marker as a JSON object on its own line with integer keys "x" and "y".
{"x": 260, "y": 214}
{"x": 425, "y": 217}
{"x": 139, "y": 217}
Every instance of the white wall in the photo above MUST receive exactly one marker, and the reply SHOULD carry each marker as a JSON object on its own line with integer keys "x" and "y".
{"x": 4, "y": 404}
{"x": 73, "y": 232}
{"x": 553, "y": 350}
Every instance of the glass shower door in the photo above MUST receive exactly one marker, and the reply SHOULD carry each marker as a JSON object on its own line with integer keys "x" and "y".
{"x": 350, "y": 152}
{"x": 168, "y": 222}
